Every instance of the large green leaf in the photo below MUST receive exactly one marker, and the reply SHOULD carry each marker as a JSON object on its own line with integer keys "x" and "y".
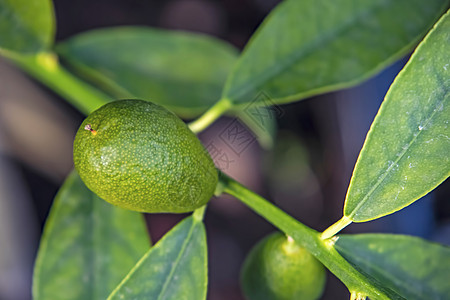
{"x": 410, "y": 266}
{"x": 174, "y": 268}
{"x": 182, "y": 71}
{"x": 26, "y": 26}
{"x": 406, "y": 153}
{"x": 308, "y": 47}
{"x": 88, "y": 246}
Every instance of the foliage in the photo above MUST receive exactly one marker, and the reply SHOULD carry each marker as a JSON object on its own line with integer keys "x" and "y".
{"x": 88, "y": 245}
{"x": 303, "y": 48}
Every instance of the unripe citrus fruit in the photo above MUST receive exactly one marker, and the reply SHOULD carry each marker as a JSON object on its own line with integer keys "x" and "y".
{"x": 279, "y": 269}
{"x": 139, "y": 156}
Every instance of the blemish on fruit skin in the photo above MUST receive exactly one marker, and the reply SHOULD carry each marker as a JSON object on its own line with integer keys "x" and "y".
{"x": 89, "y": 127}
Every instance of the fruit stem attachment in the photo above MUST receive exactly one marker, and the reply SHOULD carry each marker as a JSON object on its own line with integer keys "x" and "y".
{"x": 357, "y": 296}
{"x": 199, "y": 213}
{"x": 212, "y": 114}
{"x": 335, "y": 228}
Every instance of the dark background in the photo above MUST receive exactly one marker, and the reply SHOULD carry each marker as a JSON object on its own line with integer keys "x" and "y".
{"x": 307, "y": 173}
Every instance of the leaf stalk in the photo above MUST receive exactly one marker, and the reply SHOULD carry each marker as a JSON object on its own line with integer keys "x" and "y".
{"x": 211, "y": 115}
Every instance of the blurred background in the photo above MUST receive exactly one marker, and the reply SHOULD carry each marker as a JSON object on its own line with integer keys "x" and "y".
{"x": 306, "y": 173}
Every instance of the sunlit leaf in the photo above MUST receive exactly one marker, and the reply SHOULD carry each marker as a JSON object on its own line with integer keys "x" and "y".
{"x": 406, "y": 152}
{"x": 308, "y": 47}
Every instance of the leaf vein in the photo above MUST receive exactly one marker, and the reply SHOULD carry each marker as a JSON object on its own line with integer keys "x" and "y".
{"x": 177, "y": 260}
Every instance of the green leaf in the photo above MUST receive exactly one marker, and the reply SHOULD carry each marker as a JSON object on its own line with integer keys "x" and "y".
{"x": 88, "y": 245}
{"x": 410, "y": 266}
{"x": 183, "y": 71}
{"x": 26, "y": 26}
{"x": 406, "y": 152}
{"x": 174, "y": 268}
{"x": 308, "y": 47}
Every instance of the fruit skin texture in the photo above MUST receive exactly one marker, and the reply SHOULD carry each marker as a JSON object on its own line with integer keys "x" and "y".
{"x": 139, "y": 156}
{"x": 278, "y": 269}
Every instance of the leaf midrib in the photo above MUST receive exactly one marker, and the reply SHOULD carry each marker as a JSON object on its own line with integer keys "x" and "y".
{"x": 177, "y": 260}
{"x": 281, "y": 66}
{"x": 402, "y": 153}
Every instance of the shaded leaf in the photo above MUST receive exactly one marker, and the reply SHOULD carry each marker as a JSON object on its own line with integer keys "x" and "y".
{"x": 88, "y": 245}
{"x": 261, "y": 116}
{"x": 410, "y": 266}
{"x": 290, "y": 178}
{"x": 183, "y": 71}
{"x": 26, "y": 26}
{"x": 263, "y": 126}
{"x": 308, "y": 47}
{"x": 405, "y": 154}
{"x": 174, "y": 268}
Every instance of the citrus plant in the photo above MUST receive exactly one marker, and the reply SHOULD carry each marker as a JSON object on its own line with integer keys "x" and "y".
{"x": 140, "y": 156}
